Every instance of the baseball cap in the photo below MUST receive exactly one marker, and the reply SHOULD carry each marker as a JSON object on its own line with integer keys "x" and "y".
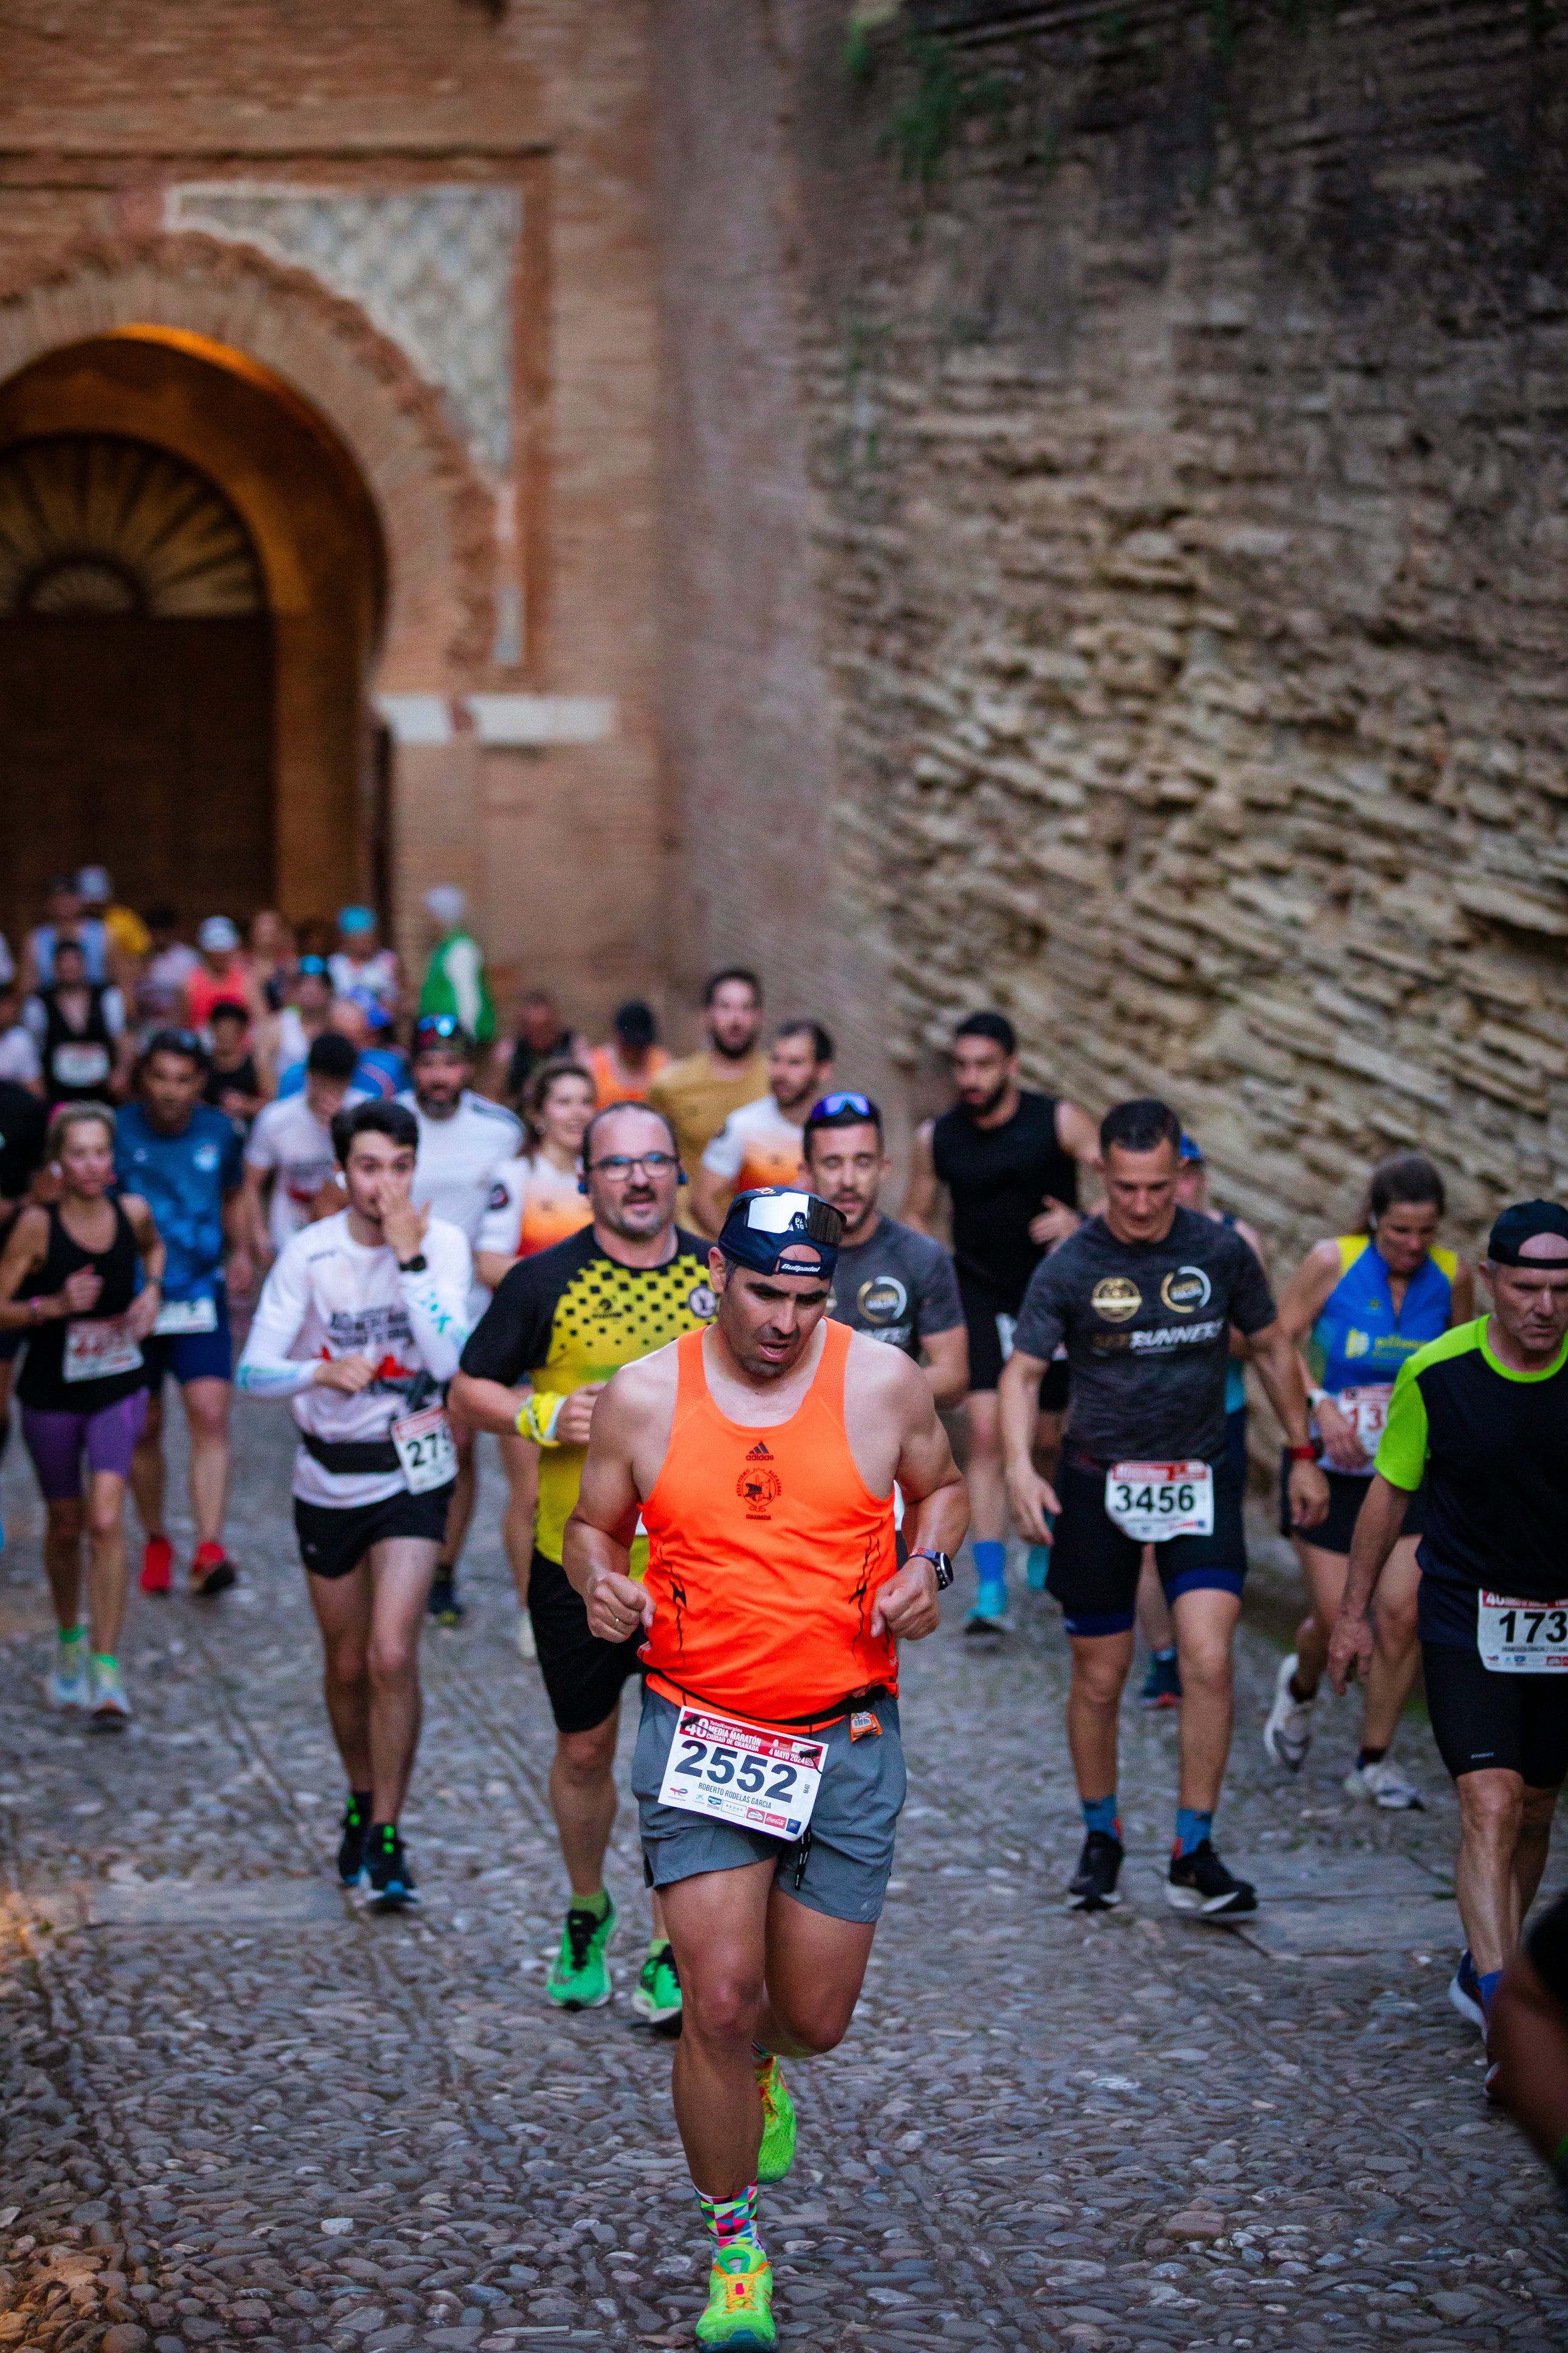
{"x": 1521, "y": 1224}
{"x": 355, "y": 919}
{"x": 447, "y": 904}
{"x": 93, "y": 882}
{"x": 1190, "y": 1149}
{"x": 634, "y": 1023}
{"x": 762, "y": 1225}
{"x": 217, "y": 934}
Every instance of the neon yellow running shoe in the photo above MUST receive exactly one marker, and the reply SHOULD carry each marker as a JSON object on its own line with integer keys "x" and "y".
{"x": 776, "y": 2154}
{"x": 740, "y": 2299}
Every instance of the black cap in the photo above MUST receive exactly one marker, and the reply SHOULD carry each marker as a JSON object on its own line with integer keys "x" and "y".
{"x": 1515, "y": 1227}
{"x": 635, "y": 1023}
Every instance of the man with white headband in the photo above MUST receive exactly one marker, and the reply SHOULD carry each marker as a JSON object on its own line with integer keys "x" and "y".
{"x": 1482, "y": 1415}
{"x": 761, "y": 1454}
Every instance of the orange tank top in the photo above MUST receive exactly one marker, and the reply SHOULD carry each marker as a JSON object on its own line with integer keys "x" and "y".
{"x": 767, "y": 1552}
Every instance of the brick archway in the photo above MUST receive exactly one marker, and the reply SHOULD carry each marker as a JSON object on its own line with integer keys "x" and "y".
{"x": 434, "y": 511}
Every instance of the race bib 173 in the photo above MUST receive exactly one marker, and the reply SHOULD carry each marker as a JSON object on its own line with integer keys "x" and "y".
{"x": 1521, "y": 1638}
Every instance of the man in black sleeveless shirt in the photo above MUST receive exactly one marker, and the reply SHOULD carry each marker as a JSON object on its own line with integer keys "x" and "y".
{"x": 1009, "y": 1160}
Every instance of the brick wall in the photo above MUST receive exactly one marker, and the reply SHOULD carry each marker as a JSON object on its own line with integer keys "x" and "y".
{"x": 1184, "y": 474}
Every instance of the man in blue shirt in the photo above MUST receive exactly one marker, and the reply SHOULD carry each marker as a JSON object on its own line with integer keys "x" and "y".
{"x": 184, "y": 1159}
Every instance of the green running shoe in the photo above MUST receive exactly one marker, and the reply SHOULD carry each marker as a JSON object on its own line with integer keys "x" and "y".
{"x": 739, "y": 2298}
{"x": 657, "y": 1996}
{"x": 579, "y": 1976}
{"x": 776, "y": 2154}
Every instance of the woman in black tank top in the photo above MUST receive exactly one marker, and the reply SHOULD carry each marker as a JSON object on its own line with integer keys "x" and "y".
{"x": 69, "y": 1278}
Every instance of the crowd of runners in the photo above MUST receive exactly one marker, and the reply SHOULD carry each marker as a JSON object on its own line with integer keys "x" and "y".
{"x": 724, "y": 1417}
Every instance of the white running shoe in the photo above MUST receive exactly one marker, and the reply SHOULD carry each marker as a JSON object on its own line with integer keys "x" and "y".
{"x": 1287, "y": 1735}
{"x": 527, "y": 1647}
{"x": 67, "y": 1685}
{"x": 111, "y": 1708}
{"x": 1385, "y": 1785}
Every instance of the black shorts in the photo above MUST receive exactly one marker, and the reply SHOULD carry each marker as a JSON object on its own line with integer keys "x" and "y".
{"x": 1094, "y": 1564}
{"x": 334, "y": 1538}
{"x": 1347, "y": 1492}
{"x": 583, "y": 1676}
{"x": 989, "y": 1325}
{"x": 1482, "y": 1720}
{"x": 11, "y": 1343}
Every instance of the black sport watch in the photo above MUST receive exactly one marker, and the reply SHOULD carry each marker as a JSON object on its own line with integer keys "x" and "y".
{"x": 940, "y": 1562}
{"x": 418, "y": 1264}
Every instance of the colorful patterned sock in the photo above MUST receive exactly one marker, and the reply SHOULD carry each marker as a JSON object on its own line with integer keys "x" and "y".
{"x": 1193, "y": 1827}
{"x": 732, "y": 2220}
{"x": 1100, "y": 1814}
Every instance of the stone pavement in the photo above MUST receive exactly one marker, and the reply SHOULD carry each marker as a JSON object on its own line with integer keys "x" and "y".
{"x": 238, "y": 2109}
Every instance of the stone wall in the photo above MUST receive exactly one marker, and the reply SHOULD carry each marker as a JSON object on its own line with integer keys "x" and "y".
{"x": 1187, "y": 491}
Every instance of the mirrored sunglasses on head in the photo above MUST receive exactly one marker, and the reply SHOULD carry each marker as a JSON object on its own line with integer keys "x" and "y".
{"x": 440, "y": 1030}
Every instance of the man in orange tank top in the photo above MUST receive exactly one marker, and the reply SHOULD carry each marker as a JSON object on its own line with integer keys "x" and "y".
{"x": 761, "y": 1455}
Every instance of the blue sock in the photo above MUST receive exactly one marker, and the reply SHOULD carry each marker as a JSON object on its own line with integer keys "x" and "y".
{"x": 991, "y": 1565}
{"x": 1100, "y": 1814}
{"x": 1192, "y": 1828}
{"x": 1038, "y": 1567}
{"x": 1489, "y": 1985}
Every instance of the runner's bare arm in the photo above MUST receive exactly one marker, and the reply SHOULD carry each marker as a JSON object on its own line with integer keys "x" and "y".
{"x": 919, "y": 1194}
{"x": 490, "y": 1266}
{"x": 1379, "y": 1524}
{"x": 1279, "y": 1362}
{"x": 488, "y": 1405}
{"x": 947, "y": 1365}
{"x": 711, "y": 1197}
{"x": 1079, "y": 1133}
{"x": 1018, "y": 1402}
{"x": 596, "y": 1555}
{"x": 29, "y": 1239}
{"x": 143, "y": 1310}
{"x": 253, "y": 1210}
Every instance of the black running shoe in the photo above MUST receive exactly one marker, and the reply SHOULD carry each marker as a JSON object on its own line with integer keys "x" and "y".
{"x": 1092, "y": 1886}
{"x": 1199, "y": 1882}
{"x": 444, "y": 1605}
{"x": 351, "y": 1853}
{"x": 387, "y": 1872}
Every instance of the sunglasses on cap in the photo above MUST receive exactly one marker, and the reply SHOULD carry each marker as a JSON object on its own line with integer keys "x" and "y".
{"x": 440, "y": 1029}
{"x": 829, "y": 1107}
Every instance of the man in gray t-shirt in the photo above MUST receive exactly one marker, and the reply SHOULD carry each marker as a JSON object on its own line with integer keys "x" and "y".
{"x": 890, "y": 1282}
{"x": 1144, "y": 1296}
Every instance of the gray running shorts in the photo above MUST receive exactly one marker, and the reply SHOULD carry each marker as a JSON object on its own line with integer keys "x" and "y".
{"x": 848, "y": 1848}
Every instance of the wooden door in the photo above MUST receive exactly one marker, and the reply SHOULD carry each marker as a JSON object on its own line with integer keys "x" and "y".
{"x": 144, "y": 745}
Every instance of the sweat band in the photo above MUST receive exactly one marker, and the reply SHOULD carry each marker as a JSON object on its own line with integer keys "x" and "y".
{"x": 538, "y": 1417}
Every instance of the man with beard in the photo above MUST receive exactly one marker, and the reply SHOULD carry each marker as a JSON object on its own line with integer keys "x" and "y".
{"x": 760, "y": 1143}
{"x": 559, "y": 1326}
{"x": 697, "y": 1094}
{"x": 1010, "y": 1162}
{"x": 893, "y": 1284}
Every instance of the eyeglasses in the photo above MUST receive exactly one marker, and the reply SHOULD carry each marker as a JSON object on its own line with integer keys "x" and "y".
{"x": 618, "y": 1164}
{"x": 830, "y": 1106}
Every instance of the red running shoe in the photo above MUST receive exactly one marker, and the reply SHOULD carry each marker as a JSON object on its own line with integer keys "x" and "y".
{"x": 157, "y": 1564}
{"x": 212, "y": 1571}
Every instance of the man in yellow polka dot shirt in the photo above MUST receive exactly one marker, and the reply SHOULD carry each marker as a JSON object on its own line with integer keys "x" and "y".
{"x": 560, "y": 1323}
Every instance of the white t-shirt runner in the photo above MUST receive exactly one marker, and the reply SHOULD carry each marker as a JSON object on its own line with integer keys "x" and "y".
{"x": 290, "y": 1140}
{"x": 756, "y": 1146}
{"x": 327, "y": 1296}
{"x": 459, "y": 1158}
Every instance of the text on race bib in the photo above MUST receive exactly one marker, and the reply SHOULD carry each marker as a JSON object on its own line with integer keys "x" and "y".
{"x": 177, "y": 1317}
{"x": 95, "y": 1350}
{"x": 1521, "y": 1638}
{"x": 1366, "y": 1411}
{"x": 425, "y": 1448}
{"x": 1152, "y": 1502}
{"x": 739, "y": 1773}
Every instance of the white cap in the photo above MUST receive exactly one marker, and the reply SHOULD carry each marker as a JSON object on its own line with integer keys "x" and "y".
{"x": 92, "y": 882}
{"x": 217, "y": 934}
{"x": 446, "y": 905}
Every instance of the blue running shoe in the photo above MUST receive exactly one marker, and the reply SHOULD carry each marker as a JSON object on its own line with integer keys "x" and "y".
{"x": 1465, "y": 1992}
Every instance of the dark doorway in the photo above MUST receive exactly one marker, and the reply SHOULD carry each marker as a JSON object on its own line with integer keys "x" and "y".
{"x": 142, "y": 745}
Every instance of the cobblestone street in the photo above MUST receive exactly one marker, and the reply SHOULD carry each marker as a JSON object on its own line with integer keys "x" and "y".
{"x": 238, "y": 2110}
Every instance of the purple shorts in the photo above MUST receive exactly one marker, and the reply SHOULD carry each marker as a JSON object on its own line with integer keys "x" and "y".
{"x": 57, "y": 1442}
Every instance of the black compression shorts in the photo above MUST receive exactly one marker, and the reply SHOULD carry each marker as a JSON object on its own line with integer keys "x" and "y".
{"x": 984, "y": 1322}
{"x": 1347, "y": 1492}
{"x": 334, "y": 1537}
{"x": 1482, "y": 1720}
{"x": 583, "y": 1676}
{"x": 1094, "y": 1564}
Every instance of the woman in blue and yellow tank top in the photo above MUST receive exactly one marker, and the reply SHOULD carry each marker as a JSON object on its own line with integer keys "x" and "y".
{"x": 1362, "y": 1303}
